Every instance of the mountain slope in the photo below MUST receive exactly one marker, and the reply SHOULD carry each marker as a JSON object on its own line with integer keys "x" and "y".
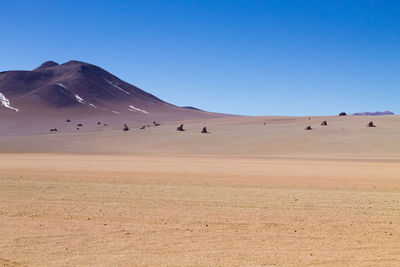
{"x": 80, "y": 91}
{"x": 71, "y": 84}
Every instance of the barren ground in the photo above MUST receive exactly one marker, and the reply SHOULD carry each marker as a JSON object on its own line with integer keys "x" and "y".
{"x": 108, "y": 210}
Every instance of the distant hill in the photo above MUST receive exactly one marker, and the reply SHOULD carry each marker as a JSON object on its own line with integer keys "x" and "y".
{"x": 376, "y": 113}
{"x": 193, "y": 108}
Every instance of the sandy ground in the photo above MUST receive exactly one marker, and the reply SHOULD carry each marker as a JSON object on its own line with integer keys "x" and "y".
{"x": 109, "y": 210}
{"x": 344, "y": 137}
{"x": 257, "y": 191}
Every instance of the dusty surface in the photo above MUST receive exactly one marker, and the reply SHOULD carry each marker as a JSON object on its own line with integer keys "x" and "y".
{"x": 66, "y": 210}
{"x": 344, "y": 137}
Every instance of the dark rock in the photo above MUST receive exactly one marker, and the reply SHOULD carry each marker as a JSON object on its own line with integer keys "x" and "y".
{"x": 324, "y": 123}
{"x": 342, "y": 114}
{"x": 180, "y": 128}
{"x": 308, "y": 128}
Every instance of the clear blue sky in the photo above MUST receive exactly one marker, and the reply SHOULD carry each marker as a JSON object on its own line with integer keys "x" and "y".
{"x": 305, "y": 57}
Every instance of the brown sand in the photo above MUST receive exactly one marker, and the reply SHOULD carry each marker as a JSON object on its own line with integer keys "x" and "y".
{"x": 109, "y": 210}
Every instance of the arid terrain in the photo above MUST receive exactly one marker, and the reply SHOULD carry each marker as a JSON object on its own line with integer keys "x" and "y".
{"x": 76, "y": 189}
{"x": 247, "y": 193}
{"x": 343, "y": 137}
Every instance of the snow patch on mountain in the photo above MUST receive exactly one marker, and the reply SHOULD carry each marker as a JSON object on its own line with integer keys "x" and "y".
{"x": 133, "y": 108}
{"x": 116, "y": 86}
{"x": 6, "y": 103}
{"x": 79, "y": 99}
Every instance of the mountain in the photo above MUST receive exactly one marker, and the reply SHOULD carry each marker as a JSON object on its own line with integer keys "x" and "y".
{"x": 78, "y": 90}
{"x": 77, "y": 85}
{"x": 376, "y": 113}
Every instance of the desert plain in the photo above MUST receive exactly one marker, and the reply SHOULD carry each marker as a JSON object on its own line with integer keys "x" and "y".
{"x": 255, "y": 191}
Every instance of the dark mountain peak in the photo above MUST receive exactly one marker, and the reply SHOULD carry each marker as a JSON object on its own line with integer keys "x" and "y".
{"x": 75, "y": 62}
{"x": 72, "y": 84}
{"x": 47, "y": 64}
{"x": 82, "y": 67}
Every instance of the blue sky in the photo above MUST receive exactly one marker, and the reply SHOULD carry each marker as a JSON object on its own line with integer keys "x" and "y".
{"x": 267, "y": 57}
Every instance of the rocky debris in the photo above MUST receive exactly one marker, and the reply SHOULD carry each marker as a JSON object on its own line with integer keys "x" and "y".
{"x": 79, "y": 125}
{"x": 324, "y": 123}
{"x": 156, "y": 124}
{"x": 180, "y": 128}
{"x": 68, "y": 120}
{"x": 342, "y": 114}
{"x": 54, "y": 130}
{"x": 143, "y": 127}
{"x": 370, "y": 124}
{"x": 204, "y": 130}
{"x": 98, "y": 123}
{"x": 308, "y": 128}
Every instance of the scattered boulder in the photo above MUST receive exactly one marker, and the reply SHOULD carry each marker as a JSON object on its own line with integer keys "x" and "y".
{"x": 98, "y": 123}
{"x": 324, "y": 123}
{"x": 105, "y": 124}
{"x": 156, "y": 124}
{"x": 308, "y": 128}
{"x": 125, "y": 128}
{"x": 370, "y": 124}
{"x": 79, "y": 125}
{"x": 68, "y": 120}
{"x": 204, "y": 130}
{"x": 342, "y": 114}
{"x": 77, "y": 129}
{"x": 180, "y": 128}
{"x": 143, "y": 127}
{"x": 54, "y": 130}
